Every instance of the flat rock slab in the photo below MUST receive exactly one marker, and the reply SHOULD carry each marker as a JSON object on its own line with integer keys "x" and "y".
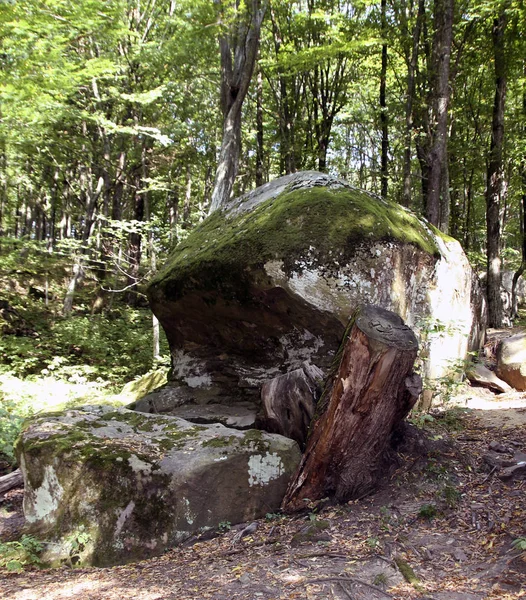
{"x": 239, "y": 416}
{"x": 483, "y": 376}
{"x": 108, "y": 486}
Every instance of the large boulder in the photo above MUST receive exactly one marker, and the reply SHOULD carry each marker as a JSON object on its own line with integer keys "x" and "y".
{"x": 106, "y": 486}
{"x": 511, "y": 361}
{"x": 270, "y": 281}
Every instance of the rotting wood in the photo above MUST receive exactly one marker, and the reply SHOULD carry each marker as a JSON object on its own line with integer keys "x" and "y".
{"x": 10, "y": 481}
{"x": 371, "y": 390}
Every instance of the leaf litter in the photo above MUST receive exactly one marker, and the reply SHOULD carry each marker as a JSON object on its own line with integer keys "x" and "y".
{"x": 441, "y": 528}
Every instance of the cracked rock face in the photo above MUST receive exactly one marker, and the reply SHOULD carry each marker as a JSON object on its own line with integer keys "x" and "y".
{"x": 108, "y": 486}
{"x": 270, "y": 282}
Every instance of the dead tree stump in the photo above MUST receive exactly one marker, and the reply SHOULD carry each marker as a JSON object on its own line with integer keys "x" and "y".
{"x": 372, "y": 389}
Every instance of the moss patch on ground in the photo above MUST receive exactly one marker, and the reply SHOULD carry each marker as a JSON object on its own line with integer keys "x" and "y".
{"x": 315, "y": 223}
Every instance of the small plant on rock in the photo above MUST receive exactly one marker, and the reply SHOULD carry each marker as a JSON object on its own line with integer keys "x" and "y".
{"x": 224, "y": 526}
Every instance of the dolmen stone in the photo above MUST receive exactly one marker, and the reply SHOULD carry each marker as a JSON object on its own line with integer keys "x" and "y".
{"x": 106, "y": 485}
{"x": 269, "y": 282}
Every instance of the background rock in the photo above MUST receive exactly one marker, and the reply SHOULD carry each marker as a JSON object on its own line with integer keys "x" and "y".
{"x": 511, "y": 361}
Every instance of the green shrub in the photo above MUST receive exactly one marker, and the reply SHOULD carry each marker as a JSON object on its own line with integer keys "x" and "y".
{"x": 14, "y": 556}
{"x": 12, "y": 414}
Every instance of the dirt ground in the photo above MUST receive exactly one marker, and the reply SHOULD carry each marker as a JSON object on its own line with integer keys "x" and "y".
{"x": 441, "y": 528}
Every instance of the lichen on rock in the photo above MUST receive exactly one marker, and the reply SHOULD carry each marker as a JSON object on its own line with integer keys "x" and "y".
{"x": 270, "y": 282}
{"x": 141, "y": 483}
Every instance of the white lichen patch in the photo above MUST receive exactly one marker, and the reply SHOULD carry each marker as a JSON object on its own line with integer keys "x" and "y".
{"x": 262, "y": 469}
{"x": 189, "y": 370}
{"x": 139, "y": 465}
{"x": 188, "y": 514}
{"x": 199, "y": 381}
{"x": 44, "y": 500}
{"x": 123, "y": 517}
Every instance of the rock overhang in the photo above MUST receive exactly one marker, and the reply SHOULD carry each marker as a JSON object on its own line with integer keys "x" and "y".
{"x": 319, "y": 221}
{"x": 271, "y": 280}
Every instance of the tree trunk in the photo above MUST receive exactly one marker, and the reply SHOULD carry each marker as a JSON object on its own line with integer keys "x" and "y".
{"x": 10, "y": 481}
{"x": 187, "y": 198}
{"x": 518, "y": 273}
{"x": 383, "y": 106}
{"x": 411, "y": 84}
{"x": 495, "y": 188}
{"x": 259, "y": 132}
{"x": 238, "y": 58}
{"x": 372, "y": 391}
{"x": 440, "y": 101}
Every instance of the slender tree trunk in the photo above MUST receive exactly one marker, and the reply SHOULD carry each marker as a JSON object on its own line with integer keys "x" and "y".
{"x": 187, "y": 198}
{"x": 259, "y": 132}
{"x": 495, "y": 187}
{"x": 440, "y": 99}
{"x": 3, "y": 182}
{"x": 238, "y": 59}
{"x": 384, "y": 168}
{"x": 135, "y": 243}
{"x": 517, "y": 275}
{"x": 411, "y": 86}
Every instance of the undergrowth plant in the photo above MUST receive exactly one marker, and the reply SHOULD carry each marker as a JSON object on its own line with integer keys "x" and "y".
{"x": 14, "y": 556}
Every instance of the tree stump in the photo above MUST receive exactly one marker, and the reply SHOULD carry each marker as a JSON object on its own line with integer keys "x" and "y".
{"x": 372, "y": 389}
{"x": 289, "y": 402}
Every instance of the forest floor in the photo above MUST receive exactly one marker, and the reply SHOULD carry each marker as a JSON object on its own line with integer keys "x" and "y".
{"x": 441, "y": 528}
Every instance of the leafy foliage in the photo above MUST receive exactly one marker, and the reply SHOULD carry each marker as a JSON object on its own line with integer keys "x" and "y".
{"x": 14, "y": 556}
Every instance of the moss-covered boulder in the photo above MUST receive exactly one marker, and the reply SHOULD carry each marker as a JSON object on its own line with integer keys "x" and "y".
{"x": 270, "y": 282}
{"x": 106, "y": 486}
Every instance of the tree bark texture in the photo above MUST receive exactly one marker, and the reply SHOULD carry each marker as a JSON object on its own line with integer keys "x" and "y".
{"x": 10, "y": 481}
{"x": 495, "y": 187}
{"x": 238, "y": 58}
{"x": 440, "y": 102}
{"x": 383, "y": 106}
{"x": 371, "y": 390}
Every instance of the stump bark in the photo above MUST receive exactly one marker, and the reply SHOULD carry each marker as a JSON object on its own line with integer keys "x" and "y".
{"x": 289, "y": 402}
{"x": 371, "y": 390}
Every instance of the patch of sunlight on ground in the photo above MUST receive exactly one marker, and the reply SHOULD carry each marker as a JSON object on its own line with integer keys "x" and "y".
{"x": 48, "y": 393}
{"x": 84, "y": 589}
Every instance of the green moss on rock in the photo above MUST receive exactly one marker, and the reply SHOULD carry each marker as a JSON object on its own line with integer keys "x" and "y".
{"x": 310, "y": 222}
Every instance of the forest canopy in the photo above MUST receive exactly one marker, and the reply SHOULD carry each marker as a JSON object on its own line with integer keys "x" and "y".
{"x": 112, "y": 117}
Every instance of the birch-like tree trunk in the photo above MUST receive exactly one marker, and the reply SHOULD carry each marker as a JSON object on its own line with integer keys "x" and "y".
{"x": 238, "y": 47}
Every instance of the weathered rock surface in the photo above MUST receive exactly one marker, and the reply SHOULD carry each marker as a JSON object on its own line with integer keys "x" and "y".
{"x": 239, "y": 416}
{"x": 289, "y": 402}
{"x": 511, "y": 361}
{"x": 270, "y": 282}
{"x": 483, "y": 376}
{"x": 130, "y": 485}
